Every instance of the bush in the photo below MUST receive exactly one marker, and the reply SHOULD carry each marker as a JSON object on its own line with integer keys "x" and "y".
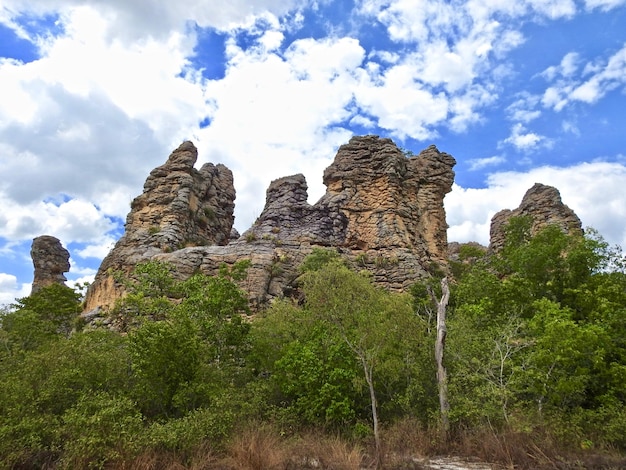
{"x": 99, "y": 428}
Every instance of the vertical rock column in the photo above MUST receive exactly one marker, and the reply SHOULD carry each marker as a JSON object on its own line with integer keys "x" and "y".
{"x": 51, "y": 262}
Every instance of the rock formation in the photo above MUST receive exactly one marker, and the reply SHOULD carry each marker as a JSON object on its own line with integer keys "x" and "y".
{"x": 376, "y": 199}
{"x": 544, "y": 206}
{"x": 51, "y": 262}
{"x": 179, "y": 207}
{"x": 383, "y": 211}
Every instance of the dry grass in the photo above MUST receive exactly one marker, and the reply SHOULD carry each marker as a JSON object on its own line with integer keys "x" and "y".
{"x": 318, "y": 450}
{"x": 258, "y": 447}
{"x": 262, "y": 447}
{"x": 408, "y": 437}
{"x": 202, "y": 459}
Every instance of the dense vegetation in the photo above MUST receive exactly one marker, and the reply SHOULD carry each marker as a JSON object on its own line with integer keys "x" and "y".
{"x": 536, "y": 360}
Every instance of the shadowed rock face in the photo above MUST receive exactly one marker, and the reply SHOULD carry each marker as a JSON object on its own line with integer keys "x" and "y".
{"x": 382, "y": 211}
{"x": 50, "y": 260}
{"x": 544, "y": 205}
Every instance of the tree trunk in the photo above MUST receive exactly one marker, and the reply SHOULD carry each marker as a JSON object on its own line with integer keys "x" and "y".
{"x": 442, "y": 379}
{"x": 368, "y": 370}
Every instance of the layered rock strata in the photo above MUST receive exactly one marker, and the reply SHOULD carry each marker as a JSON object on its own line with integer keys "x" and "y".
{"x": 382, "y": 211}
{"x": 179, "y": 207}
{"x": 544, "y": 206}
{"x": 50, "y": 260}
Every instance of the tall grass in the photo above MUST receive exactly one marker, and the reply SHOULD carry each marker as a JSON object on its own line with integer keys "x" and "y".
{"x": 407, "y": 444}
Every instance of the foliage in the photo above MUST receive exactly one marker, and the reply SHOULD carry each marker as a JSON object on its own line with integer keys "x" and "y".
{"x": 538, "y": 330}
{"x": 39, "y": 386}
{"x": 536, "y": 353}
{"x": 319, "y": 258}
{"x": 100, "y": 427}
{"x": 33, "y": 320}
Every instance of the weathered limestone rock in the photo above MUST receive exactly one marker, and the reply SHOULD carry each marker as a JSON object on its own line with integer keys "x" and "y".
{"x": 544, "y": 205}
{"x": 382, "y": 211}
{"x": 50, "y": 260}
{"x": 180, "y": 206}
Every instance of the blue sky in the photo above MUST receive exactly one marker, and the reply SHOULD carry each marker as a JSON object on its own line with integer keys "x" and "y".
{"x": 94, "y": 94}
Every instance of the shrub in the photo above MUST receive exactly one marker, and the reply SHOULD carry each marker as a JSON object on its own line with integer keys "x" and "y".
{"x": 100, "y": 427}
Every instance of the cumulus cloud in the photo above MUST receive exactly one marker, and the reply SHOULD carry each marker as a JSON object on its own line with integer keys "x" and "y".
{"x": 523, "y": 109}
{"x": 131, "y": 20}
{"x": 97, "y": 250}
{"x": 604, "y": 5}
{"x": 276, "y": 113}
{"x": 567, "y": 67}
{"x": 74, "y": 220}
{"x": 524, "y": 140}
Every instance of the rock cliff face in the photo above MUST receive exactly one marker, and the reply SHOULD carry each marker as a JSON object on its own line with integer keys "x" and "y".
{"x": 180, "y": 206}
{"x": 544, "y": 206}
{"x": 51, "y": 262}
{"x": 376, "y": 199}
{"x": 382, "y": 211}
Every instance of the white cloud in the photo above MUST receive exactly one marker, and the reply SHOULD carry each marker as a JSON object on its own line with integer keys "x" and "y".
{"x": 593, "y": 190}
{"x": 481, "y": 163}
{"x": 522, "y": 111}
{"x": 129, "y": 21}
{"x": 570, "y": 127}
{"x": 97, "y": 250}
{"x": 275, "y": 114}
{"x": 600, "y": 79}
{"x": 525, "y": 141}
{"x": 80, "y": 281}
{"x": 89, "y": 119}
{"x": 74, "y": 220}
{"x": 402, "y": 105}
{"x": 567, "y": 67}
{"x": 10, "y": 289}
{"x": 604, "y": 5}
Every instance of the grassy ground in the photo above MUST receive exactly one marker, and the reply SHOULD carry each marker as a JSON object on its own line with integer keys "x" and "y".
{"x": 406, "y": 446}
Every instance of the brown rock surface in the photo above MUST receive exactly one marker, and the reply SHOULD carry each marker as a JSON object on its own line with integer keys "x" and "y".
{"x": 382, "y": 211}
{"x": 544, "y": 205}
{"x": 376, "y": 198}
{"x": 180, "y": 206}
{"x": 51, "y": 262}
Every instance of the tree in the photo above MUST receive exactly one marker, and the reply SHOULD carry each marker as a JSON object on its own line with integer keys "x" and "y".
{"x": 42, "y": 316}
{"x": 189, "y": 338}
{"x": 442, "y": 378}
{"x": 367, "y": 319}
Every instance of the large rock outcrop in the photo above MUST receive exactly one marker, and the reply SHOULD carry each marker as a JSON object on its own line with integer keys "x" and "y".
{"x": 544, "y": 206}
{"x": 382, "y": 211}
{"x": 376, "y": 199}
{"x": 179, "y": 207}
{"x": 51, "y": 262}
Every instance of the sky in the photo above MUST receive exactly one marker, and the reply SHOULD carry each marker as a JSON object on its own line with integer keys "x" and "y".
{"x": 96, "y": 93}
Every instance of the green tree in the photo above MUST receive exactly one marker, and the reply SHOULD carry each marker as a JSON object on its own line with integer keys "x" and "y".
{"x": 42, "y": 316}
{"x": 191, "y": 339}
{"x": 39, "y": 386}
{"x": 367, "y": 319}
{"x": 539, "y": 327}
